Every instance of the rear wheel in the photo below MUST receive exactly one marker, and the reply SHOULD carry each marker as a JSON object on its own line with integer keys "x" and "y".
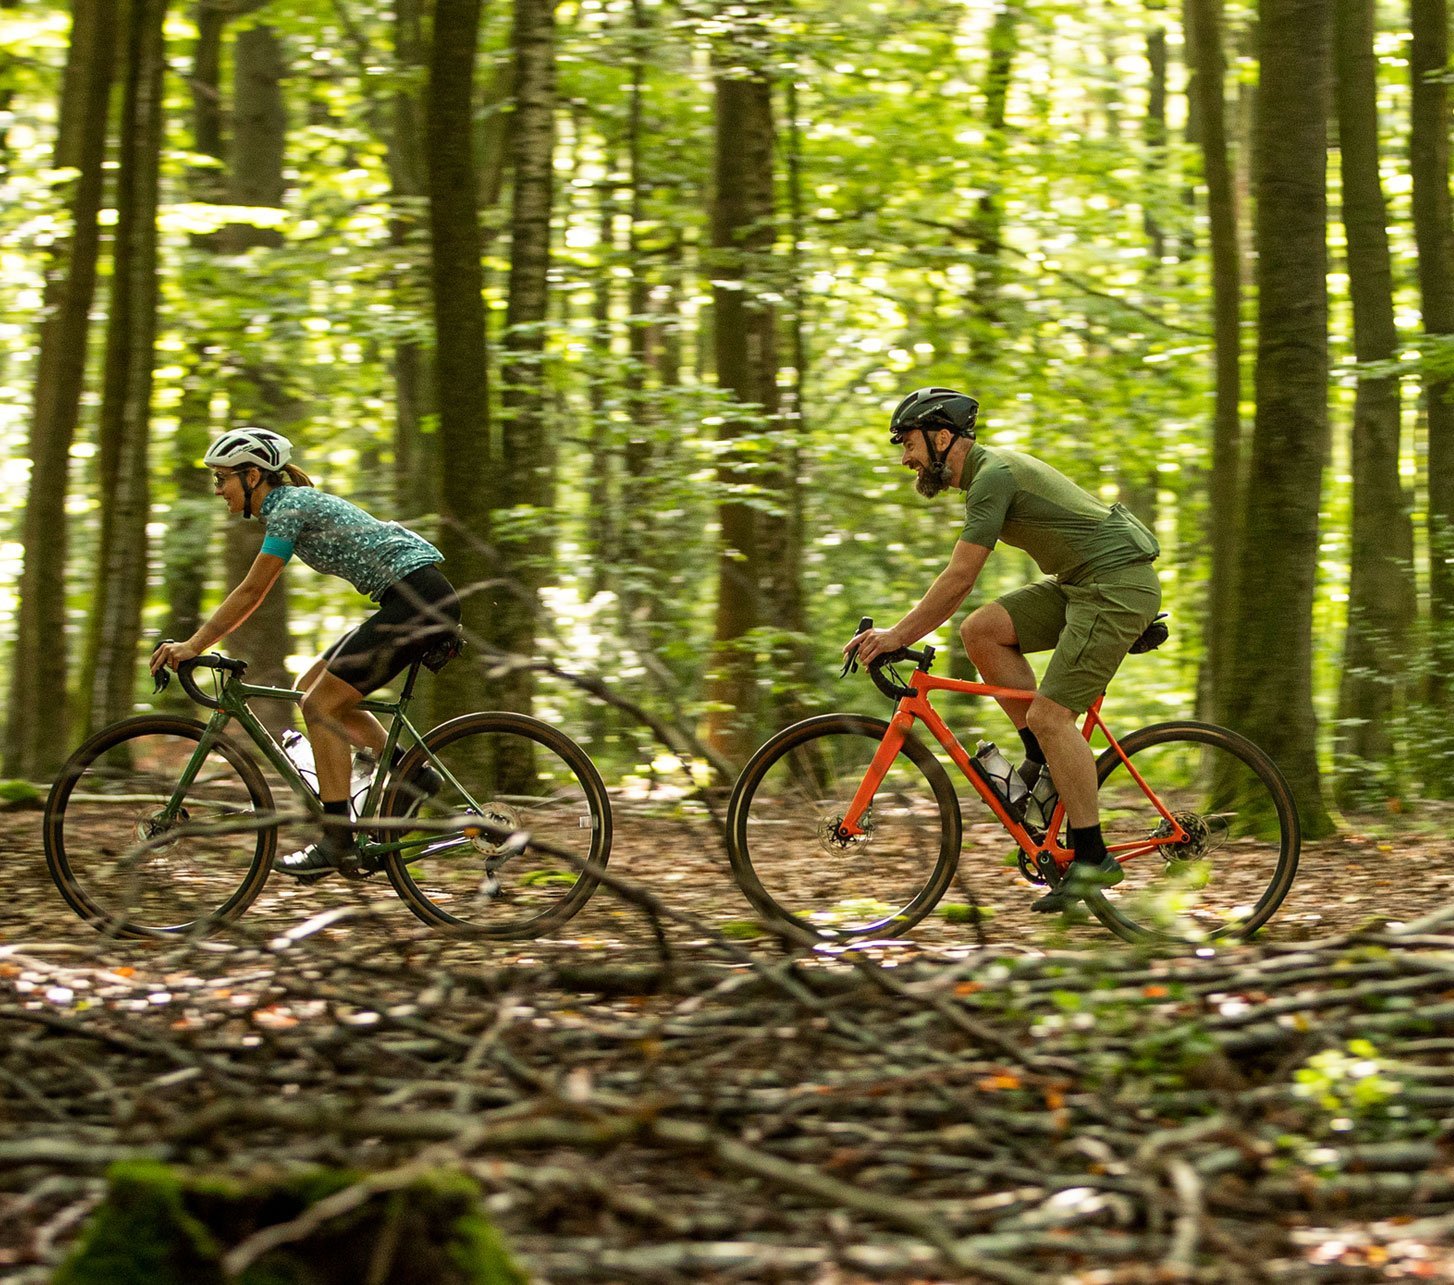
{"x": 129, "y": 858}
{"x": 792, "y": 863}
{"x": 515, "y": 775}
{"x": 1241, "y": 852}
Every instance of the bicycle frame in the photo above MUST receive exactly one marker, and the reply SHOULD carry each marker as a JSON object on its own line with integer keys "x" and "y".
{"x": 232, "y": 706}
{"x": 917, "y": 706}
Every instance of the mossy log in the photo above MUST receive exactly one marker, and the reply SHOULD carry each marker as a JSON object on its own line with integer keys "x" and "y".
{"x": 162, "y": 1225}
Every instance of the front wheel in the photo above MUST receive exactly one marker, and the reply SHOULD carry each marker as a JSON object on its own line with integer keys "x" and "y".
{"x": 134, "y": 855}
{"x": 1237, "y": 862}
{"x": 515, "y": 775}
{"x": 789, "y": 857}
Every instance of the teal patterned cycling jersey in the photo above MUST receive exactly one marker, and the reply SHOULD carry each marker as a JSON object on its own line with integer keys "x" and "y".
{"x": 340, "y": 539}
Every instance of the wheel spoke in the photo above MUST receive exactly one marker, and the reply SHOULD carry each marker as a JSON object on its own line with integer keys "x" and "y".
{"x": 794, "y": 860}
{"x": 130, "y": 858}
{"x": 512, "y": 775}
{"x": 1240, "y": 851}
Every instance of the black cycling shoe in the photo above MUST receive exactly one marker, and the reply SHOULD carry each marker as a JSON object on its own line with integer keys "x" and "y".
{"x": 316, "y": 861}
{"x": 1082, "y": 879}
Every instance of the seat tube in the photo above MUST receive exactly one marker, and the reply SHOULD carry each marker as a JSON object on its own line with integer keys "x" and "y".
{"x": 887, "y": 751}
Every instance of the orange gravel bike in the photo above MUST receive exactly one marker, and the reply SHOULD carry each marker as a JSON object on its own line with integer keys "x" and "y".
{"x": 850, "y": 826}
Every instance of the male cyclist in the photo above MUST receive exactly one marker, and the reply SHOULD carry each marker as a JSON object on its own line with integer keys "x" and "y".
{"x": 1100, "y": 592}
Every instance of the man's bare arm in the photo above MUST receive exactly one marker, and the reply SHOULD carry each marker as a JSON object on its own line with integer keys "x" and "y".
{"x": 950, "y": 588}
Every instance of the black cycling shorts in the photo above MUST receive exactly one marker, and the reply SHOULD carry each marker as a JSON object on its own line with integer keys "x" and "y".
{"x": 414, "y": 614}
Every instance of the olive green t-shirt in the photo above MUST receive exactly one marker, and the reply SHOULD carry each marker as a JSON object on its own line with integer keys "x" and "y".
{"x": 1070, "y": 534}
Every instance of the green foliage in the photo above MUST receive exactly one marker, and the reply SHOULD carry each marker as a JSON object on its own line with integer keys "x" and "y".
{"x": 1081, "y": 346}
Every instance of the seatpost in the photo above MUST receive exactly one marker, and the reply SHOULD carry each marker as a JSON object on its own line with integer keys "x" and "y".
{"x": 410, "y": 680}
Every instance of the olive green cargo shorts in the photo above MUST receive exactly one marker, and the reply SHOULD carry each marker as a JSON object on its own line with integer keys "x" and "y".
{"x": 1091, "y": 626}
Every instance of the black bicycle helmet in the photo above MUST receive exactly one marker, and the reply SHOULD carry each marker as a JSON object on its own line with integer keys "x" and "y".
{"x": 931, "y": 409}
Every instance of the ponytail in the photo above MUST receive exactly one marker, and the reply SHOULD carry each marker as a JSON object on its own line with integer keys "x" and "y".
{"x": 288, "y": 475}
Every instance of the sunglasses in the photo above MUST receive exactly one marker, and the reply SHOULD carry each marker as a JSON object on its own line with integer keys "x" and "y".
{"x": 219, "y": 480}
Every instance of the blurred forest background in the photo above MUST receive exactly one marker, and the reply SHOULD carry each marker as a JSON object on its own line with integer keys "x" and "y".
{"x": 612, "y": 298}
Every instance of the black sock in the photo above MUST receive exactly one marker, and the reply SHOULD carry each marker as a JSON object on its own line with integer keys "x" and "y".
{"x": 1088, "y": 843}
{"x": 337, "y": 836}
{"x": 1033, "y": 752}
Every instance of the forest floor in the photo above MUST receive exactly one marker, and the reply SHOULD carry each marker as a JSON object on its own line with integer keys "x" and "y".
{"x": 650, "y": 1098}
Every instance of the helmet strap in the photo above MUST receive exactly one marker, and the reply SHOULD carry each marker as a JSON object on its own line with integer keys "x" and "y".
{"x": 935, "y": 458}
{"x": 246, "y": 494}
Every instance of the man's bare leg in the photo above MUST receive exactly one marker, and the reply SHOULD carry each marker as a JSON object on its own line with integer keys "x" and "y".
{"x": 991, "y": 642}
{"x": 1071, "y": 760}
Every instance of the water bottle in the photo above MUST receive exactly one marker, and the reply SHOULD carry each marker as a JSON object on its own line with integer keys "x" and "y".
{"x": 362, "y": 776}
{"x": 300, "y": 755}
{"x": 995, "y": 768}
{"x": 1043, "y": 796}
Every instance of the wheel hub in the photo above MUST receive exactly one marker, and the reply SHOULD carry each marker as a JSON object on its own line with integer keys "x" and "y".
{"x": 150, "y": 828}
{"x": 499, "y": 816}
{"x": 1204, "y": 834}
{"x": 831, "y": 837}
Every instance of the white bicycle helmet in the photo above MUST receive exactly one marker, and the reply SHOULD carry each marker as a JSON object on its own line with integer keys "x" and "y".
{"x": 259, "y": 446}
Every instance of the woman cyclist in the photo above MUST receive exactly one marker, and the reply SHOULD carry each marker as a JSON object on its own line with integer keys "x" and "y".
{"x": 399, "y": 570}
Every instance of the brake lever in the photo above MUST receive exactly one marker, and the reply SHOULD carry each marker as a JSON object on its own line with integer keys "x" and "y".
{"x": 850, "y": 665}
{"x": 161, "y": 680}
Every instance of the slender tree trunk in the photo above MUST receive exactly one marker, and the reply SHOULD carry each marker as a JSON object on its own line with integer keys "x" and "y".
{"x": 1155, "y": 145}
{"x": 1204, "y": 38}
{"x": 126, "y": 402}
{"x": 1381, "y": 599}
{"x": 255, "y": 177}
{"x": 1272, "y": 700}
{"x": 746, "y": 356}
{"x": 528, "y": 456}
{"x": 189, "y": 521}
{"x": 989, "y": 214}
{"x": 38, "y": 732}
{"x": 416, "y": 437}
{"x": 1434, "y": 236}
{"x": 640, "y": 463}
{"x": 461, "y": 368}
{"x": 600, "y": 503}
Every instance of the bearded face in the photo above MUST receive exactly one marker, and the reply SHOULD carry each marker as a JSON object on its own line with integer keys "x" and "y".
{"x": 932, "y": 479}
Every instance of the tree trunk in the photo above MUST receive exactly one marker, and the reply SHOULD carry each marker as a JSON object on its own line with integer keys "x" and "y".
{"x": 259, "y": 131}
{"x": 188, "y": 537}
{"x": 459, "y": 323}
{"x": 1155, "y": 146}
{"x": 1434, "y": 237}
{"x": 1381, "y": 599}
{"x": 1204, "y": 38}
{"x": 255, "y": 177}
{"x": 1271, "y": 700}
{"x": 38, "y": 731}
{"x": 528, "y": 457}
{"x": 416, "y": 436}
{"x": 746, "y": 355}
{"x": 126, "y": 401}
{"x": 989, "y": 215}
